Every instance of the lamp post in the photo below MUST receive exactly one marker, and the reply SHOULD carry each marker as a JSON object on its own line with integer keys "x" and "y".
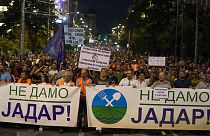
{"x": 196, "y": 32}
{"x": 48, "y": 22}
{"x": 22, "y": 31}
{"x": 177, "y": 17}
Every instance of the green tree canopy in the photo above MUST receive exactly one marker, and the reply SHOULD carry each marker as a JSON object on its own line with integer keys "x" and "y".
{"x": 36, "y": 22}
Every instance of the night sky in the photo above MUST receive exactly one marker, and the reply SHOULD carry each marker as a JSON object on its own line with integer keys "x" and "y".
{"x": 108, "y": 12}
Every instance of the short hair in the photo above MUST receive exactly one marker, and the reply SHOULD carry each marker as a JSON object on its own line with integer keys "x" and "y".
{"x": 103, "y": 69}
{"x": 24, "y": 71}
{"x": 46, "y": 78}
{"x": 130, "y": 70}
{"x": 141, "y": 72}
{"x": 68, "y": 73}
{"x": 84, "y": 69}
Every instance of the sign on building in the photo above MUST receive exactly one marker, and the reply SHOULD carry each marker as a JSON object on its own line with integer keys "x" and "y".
{"x": 93, "y": 58}
{"x": 74, "y": 36}
{"x": 156, "y": 61}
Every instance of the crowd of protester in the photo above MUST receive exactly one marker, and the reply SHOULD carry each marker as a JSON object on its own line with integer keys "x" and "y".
{"x": 125, "y": 69}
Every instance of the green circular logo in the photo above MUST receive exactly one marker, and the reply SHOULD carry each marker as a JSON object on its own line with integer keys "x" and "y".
{"x": 109, "y": 106}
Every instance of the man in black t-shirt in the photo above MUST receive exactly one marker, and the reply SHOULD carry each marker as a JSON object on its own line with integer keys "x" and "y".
{"x": 103, "y": 78}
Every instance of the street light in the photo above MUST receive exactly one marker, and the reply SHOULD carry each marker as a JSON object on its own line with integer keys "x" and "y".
{"x": 143, "y": 15}
{"x": 196, "y": 32}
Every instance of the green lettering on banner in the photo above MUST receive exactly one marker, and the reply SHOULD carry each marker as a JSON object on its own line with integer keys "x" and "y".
{"x": 195, "y": 96}
{"x": 207, "y": 97}
{"x": 43, "y": 92}
{"x": 36, "y": 92}
{"x": 21, "y": 91}
{"x": 180, "y": 96}
{"x": 146, "y": 94}
{"x": 169, "y": 97}
{"x": 52, "y": 93}
{"x": 63, "y": 95}
{"x": 13, "y": 90}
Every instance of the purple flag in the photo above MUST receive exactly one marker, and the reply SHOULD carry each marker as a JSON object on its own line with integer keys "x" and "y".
{"x": 55, "y": 47}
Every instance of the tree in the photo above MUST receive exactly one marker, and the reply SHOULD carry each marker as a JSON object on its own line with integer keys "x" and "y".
{"x": 8, "y": 46}
{"x": 36, "y": 21}
{"x": 151, "y": 26}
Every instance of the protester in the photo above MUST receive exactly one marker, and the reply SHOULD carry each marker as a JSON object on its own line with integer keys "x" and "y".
{"x": 172, "y": 76}
{"x": 123, "y": 64}
{"x": 83, "y": 81}
{"x": 202, "y": 72}
{"x": 67, "y": 79}
{"x": 13, "y": 78}
{"x": 142, "y": 82}
{"x": 33, "y": 74}
{"x": 162, "y": 82}
{"x": 153, "y": 73}
{"x": 24, "y": 78}
{"x": 111, "y": 76}
{"x": 44, "y": 80}
{"x": 103, "y": 78}
{"x": 204, "y": 84}
{"x": 182, "y": 81}
{"x": 5, "y": 76}
{"x": 53, "y": 70}
{"x": 129, "y": 80}
{"x": 194, "y": 77}
{"x": 118, "y": 73}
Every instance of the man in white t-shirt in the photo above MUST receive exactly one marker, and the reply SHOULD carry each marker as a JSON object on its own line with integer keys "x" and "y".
{"x": 142, "y": 82}
{"x": 129, "y": 80}
{"x": 53, "y": 70}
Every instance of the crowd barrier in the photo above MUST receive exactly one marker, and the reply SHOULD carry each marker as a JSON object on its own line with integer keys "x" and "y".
{"x": 107, "y": 107}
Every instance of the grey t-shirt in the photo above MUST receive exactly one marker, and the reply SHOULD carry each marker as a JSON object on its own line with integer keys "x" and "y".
{"x": 203, "y": 85}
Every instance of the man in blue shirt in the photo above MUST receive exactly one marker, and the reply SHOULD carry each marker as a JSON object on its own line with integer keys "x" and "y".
{"x": 5, "y": 76}
{"x": 182, "y": 82}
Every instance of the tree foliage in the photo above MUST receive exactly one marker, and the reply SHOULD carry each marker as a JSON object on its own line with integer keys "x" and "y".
{"x": 152, "y": 27}
{"x": 36, "y": 22}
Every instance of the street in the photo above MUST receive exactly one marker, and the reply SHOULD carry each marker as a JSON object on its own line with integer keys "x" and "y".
{"x": 10, "y": 130}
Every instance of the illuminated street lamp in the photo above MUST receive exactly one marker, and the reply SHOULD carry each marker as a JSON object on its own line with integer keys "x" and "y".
{"x": 143, "y": 15}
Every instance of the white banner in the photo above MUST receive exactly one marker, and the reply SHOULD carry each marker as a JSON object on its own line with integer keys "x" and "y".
{"x": 39, "y": 104}
{"x": 74, "y": 36}
{"x": 157, "y": 61}
{"x": 93, "y": 58}
{"x": 128, "y": 107}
